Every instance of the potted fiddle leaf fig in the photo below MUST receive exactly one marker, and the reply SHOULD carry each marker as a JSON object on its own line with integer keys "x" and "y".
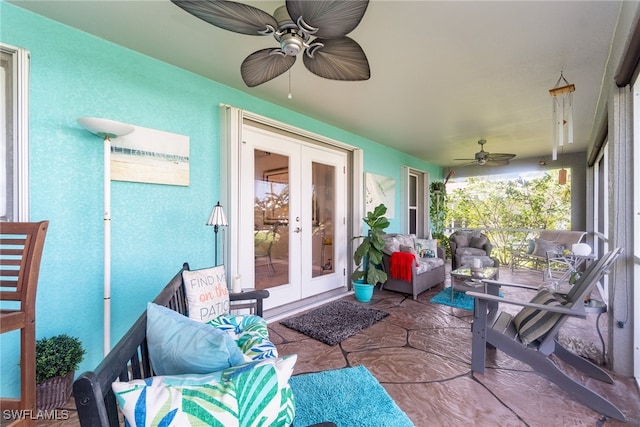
{"x": 368, "y": 255}
{"x": 57, "y": 359}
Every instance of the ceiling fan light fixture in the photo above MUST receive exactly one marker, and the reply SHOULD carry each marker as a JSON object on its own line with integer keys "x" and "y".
{"x": 291, "y": 44}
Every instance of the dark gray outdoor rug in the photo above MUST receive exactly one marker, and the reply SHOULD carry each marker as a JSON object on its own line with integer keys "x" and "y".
{"x": 335, "y": 321}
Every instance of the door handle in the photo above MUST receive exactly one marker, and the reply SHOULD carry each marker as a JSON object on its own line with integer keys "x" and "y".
{"x": 297, "y": 230}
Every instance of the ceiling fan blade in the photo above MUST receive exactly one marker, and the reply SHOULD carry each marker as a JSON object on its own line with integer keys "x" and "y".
{"x": 264, "y": 65}
{"x": 500, "y": 156}
{"x": 332, "y": 18}
{"x": 232, "y": 16}
{"x": 471, "y": 163}
{"x": 493, "y": 162}
{"x": 338, "y": 59}
{"x": 465, "y": 160}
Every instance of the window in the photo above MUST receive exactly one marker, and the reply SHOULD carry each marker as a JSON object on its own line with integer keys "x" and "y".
{"x": 415, "y": 201}
{"x": 14, "y": 120}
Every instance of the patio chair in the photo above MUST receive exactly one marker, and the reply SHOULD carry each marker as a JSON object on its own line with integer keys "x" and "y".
{"x": 468, "y": 244}
{"x": 531, "y": 336}
{"x": 263, "y": 245}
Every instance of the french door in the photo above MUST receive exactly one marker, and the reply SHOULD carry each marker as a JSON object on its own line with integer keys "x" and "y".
{"x": 293, "y": 209}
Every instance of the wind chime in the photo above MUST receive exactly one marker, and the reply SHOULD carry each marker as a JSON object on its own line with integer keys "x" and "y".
{"x": 562, "y": 97}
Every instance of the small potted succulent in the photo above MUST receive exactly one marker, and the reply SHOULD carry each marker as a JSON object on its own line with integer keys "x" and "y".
{"x": 368, "y": 255}
{"x": 57, "y": 359}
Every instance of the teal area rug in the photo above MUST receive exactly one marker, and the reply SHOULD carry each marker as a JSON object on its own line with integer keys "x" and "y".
{"x": 349, "y": 397}
{"x": 460, "y": 299}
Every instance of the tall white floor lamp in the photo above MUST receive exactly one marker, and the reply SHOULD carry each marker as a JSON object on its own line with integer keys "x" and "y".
{"x": 106, "y": 129}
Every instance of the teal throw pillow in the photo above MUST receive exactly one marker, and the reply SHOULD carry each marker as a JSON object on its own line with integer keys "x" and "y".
{"x": 179, "y": 345}
{"x": 250, "y": 333}
{"x": 531, "y": 246}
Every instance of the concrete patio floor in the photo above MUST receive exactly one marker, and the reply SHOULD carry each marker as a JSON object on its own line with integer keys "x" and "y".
{"x": 421, "y": 354}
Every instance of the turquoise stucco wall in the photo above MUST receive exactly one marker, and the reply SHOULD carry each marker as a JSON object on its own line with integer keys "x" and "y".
{"x": 155, "y": 227}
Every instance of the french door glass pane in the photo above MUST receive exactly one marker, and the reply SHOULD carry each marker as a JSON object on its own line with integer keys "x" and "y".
{"x": 413, "y": 220}
{"x": 323, "y": 179}
{"x": 413, "y": 191}
{"x": 271, "y": 219}
{"x": 413, "y": 204}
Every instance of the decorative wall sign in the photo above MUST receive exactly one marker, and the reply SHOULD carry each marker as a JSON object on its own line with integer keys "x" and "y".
{"x": 380, "y": 189}
{"x": 151, "y": 156}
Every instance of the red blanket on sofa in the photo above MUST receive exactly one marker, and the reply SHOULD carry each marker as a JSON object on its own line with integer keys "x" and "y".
{"x": 400, "y": 265}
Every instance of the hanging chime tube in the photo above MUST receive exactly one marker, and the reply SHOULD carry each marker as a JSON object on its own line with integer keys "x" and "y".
{"x": 562, "y": 99}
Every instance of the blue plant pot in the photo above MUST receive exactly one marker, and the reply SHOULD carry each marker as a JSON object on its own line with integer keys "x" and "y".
{"x": 363, "y": 291}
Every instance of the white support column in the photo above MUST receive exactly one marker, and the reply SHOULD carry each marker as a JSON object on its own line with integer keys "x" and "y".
{"x": 621, "y": 221}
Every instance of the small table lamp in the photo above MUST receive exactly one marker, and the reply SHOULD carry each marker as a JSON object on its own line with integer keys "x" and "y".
{"x": 217, "y": 218}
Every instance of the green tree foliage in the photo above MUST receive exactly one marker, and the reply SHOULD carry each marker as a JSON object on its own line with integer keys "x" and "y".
{"x": 438, "y": 209}
{"x": 498, "y": 205}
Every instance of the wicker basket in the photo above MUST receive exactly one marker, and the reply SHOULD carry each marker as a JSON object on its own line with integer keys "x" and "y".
{"x": 54, "y": 392}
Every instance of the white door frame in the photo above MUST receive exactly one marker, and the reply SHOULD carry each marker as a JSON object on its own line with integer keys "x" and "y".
{"x": 231, "y": 123}
{"x": 337, "y": 278}
{"x": 264, "y": 140}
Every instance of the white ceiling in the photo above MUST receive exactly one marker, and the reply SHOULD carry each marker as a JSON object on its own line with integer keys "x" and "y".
{"x": 443, "y": 73}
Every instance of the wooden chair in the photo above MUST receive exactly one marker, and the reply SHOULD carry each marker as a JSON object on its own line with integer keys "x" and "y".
{"x": 503, "y": 331}
{"x": 21, "y": 245}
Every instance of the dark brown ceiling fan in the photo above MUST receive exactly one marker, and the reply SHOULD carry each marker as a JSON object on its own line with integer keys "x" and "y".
{"x": 330, "y": 54}
{"x": 485, "y": 158}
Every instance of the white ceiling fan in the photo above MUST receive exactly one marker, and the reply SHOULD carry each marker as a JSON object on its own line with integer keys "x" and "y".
{"x": 484, "y": 158}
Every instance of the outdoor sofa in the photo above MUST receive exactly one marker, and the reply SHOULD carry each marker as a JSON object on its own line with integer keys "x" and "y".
{"x": 429, "y": 271}
{"x": 538, "y": 251}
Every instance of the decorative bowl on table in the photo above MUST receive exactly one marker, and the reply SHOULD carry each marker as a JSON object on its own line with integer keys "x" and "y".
{"x": 581, "y": 249}
{"x": 476, "y": 272}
